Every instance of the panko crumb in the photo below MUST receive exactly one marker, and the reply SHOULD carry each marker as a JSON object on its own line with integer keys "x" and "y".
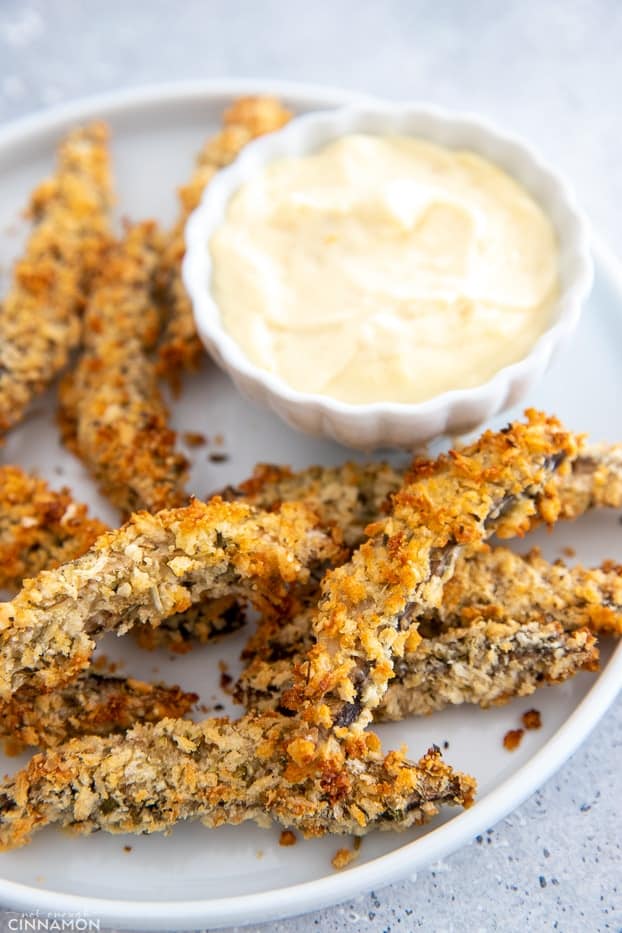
{"x": 194, "y": 439}
{"x": 532, "y": 719}
{"x": 103, "y": 665}
{"x": 344, "y": 857}
{"x": 512, "y": 739}
{"x": 225, "y": 677}
{"x": 287, "y": 838}
{"x": 569, "y": 551}
{"x": 127, "y": 848}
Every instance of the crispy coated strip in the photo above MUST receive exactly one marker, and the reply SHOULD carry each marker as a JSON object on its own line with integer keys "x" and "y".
{"x": 487, "y": 663}
{"x": 369, "y": 609}
{"x": 40, "y": 316}
{"x": 94, "y": 704}
{"x": 39, "y": 528}
{"x": 245, "y": 120}
{"x": 152, "y": 567}
{"x": 263, "y": 768}
{"x": 112, "y": 413}
{"x": 499, "y": 584}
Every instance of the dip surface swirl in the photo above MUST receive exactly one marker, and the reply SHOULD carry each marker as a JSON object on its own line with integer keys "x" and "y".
{"x": 384, "y": 269}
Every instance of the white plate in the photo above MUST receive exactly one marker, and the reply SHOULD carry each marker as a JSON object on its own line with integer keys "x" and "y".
{"x": 197, "y": 877}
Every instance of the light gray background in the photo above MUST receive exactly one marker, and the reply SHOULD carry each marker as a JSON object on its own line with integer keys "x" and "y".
{"x": 551, "y": 71}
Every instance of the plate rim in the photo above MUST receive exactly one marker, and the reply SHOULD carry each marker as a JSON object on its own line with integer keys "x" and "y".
{"x": 333, "y": 888}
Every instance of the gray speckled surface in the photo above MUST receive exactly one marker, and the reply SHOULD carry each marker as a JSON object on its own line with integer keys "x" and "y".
{"x": 552, "y": 71}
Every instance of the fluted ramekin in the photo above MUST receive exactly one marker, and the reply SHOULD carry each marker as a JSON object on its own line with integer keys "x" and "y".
{"x": 388, "y": 424}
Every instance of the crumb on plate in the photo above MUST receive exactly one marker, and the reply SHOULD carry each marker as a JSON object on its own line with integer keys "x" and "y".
{"x": 194, "y": 438}
{"x": 532, "y": 719}
{"x": 344, "y": 857}
{"x": 512, "y": 739}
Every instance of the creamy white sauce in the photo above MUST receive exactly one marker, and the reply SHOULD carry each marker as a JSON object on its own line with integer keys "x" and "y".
{"x": 384, "y": 269}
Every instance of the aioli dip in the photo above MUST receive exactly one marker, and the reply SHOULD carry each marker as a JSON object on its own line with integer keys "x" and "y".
{"x": 384, "y": 269}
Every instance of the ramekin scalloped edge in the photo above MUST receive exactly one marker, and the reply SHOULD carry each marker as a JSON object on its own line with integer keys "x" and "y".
{"x": 387, "y": 424}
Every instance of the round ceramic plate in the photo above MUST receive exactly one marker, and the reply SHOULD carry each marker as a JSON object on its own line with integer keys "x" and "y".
{"x": 198, "y": 877}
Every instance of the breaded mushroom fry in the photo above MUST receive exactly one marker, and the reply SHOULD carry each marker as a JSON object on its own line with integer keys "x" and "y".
{"x": 263, "y": 768}
{"x": 369, "y": 609}
{"x": 112, "y": 413}
{"x": 499, "y": 584}
{"x": 487, "y": 662}
{"x": 40, "y": 316}
{"x": 94, "y": 704}
{"x": 39, "y": 528}
{"x": 152, "y": 567}
{"x": 352, "y": 495}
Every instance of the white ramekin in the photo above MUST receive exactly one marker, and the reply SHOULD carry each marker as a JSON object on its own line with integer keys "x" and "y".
{"x": 385, "y": 424}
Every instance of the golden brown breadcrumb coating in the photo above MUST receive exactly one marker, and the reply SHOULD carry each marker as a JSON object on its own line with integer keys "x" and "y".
{"x": 112, "y": 413}
{"x": 40, "y": 315}
{"x": 506, "y": 625}
{"x": 152, "y": 567}
{"x": 94, "y": 704}
{"x": 245, "y": 120}
{"x": 39, "y": 528}
{"x": 499, "y": 584}
{"x": 369, "y": 609}
{"x": 264, "y": 768}
{"x": 486, "y": 662}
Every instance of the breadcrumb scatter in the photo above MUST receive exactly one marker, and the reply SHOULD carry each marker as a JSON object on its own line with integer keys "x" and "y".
{"x": 287, "y": 838}
{"x": 512, "y": 739}
{"x": 40, "y": 316}
{"x": 532, "y": 719}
